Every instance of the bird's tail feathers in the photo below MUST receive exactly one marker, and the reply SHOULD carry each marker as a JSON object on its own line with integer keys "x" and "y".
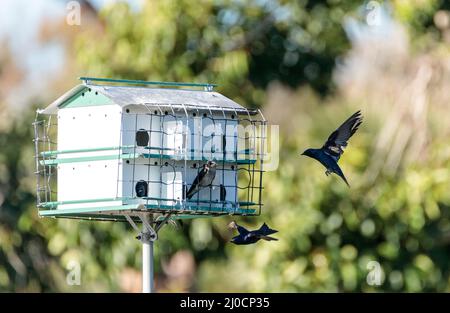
{"x": 339, "y": 172}
{"x": 344, "y": 179}
{"x": 268, "y": 238}
{"x": 191, "y": 193}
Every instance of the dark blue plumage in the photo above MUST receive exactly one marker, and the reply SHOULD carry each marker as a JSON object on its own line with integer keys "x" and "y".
{"x": 247, "y": 237}
{"x": 333, "y": 148}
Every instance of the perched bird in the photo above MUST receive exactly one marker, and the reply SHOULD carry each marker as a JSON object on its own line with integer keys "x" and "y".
{"x": 332, "y": 150}
{"x": 204, "y": 178}
{"x": 247, "y": 237}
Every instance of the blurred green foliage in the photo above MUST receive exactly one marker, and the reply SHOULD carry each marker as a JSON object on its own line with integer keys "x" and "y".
{"x": 241, "y": 45}
{"x": 328, "y": 233}
{"x": 419, "y": 17}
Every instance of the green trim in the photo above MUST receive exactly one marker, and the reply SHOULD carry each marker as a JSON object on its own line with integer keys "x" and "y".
{"x": 90, "y": 158}
{"x": 54, "y": 204}
{"x": 246, "y": 203}
{"x": 186, "y": 217}
{"x": 98, "y": 217}
{"x": 135, "y": 156}
{"x": 86, "y": 98}
{"x": 56, "y": 152}
{"x": 121, "y": 218}
{"x": 55, "y": 212}
{"x": 197, "y": 210}
{"x": 143, "y": 82}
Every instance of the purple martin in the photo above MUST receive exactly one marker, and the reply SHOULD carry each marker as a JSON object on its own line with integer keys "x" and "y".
{"x": 204, "y": 178}
{"x": 332, "y": 150}
{"x": 247, "y": 237}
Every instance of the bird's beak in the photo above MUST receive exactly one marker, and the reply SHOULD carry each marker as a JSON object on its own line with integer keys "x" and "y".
{"x": 303, "y": 153}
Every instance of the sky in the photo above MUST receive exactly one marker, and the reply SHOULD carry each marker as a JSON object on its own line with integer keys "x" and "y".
{"x": 19, "y": 26}
{"x": 19, "y": 23}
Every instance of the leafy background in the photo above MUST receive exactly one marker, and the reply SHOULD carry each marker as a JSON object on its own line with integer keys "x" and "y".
{"x": 308, "y": 65}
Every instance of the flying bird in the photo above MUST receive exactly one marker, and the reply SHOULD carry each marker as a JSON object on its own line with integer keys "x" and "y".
{"x": 333, "y": 148}
{"x": 247, "y": 237}
{"x": 204, "y": 178}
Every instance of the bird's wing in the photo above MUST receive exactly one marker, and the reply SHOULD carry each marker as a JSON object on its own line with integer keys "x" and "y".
{"x": 236, "y": 237}
{"x": 242, "y": 231}
{"x": 337, "y": 141}
{"x": 196, "y": 181}
{"x": 266, "y": 230}
{"x": 261, "y": 235}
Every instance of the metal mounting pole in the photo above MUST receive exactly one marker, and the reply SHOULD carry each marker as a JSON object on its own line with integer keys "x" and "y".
{"x": 147, "y": 236}
{"x": 147, "y": 267}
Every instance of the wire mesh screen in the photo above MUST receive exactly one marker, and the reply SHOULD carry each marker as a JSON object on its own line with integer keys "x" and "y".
{"x": 177, "y": 144}
{"x": 160, "y": 151}
{"x": 44, "y": 143}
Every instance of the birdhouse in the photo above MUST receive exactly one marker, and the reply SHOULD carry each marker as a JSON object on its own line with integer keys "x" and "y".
{"x": 109, "y": 148}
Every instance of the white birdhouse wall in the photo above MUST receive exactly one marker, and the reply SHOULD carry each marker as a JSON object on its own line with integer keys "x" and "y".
{"x": 88, "y": 127}
{"x": 88, "y": 174}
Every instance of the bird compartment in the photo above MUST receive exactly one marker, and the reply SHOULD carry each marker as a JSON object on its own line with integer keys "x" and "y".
{"x": 187, "y": 139}
{"x": 141, "y": 130}
{"x": 190, "y": 135}
{"x": 146, "y": 181}
{"x": 220, "y": 194}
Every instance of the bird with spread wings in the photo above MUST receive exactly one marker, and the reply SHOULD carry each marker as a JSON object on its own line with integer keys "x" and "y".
{"x": 333, "y": 148}
{"x": 247, "y": 237}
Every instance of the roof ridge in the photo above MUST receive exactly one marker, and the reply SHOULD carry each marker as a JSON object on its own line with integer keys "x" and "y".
{"x": 207, "y": 86}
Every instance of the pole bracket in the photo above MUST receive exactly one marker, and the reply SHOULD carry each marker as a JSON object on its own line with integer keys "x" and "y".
{"x": 147, "y": 237}
{"x": 147, "y": 234}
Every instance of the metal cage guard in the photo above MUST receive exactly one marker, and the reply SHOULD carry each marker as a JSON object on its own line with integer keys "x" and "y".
{"x": 246, "y": 163}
